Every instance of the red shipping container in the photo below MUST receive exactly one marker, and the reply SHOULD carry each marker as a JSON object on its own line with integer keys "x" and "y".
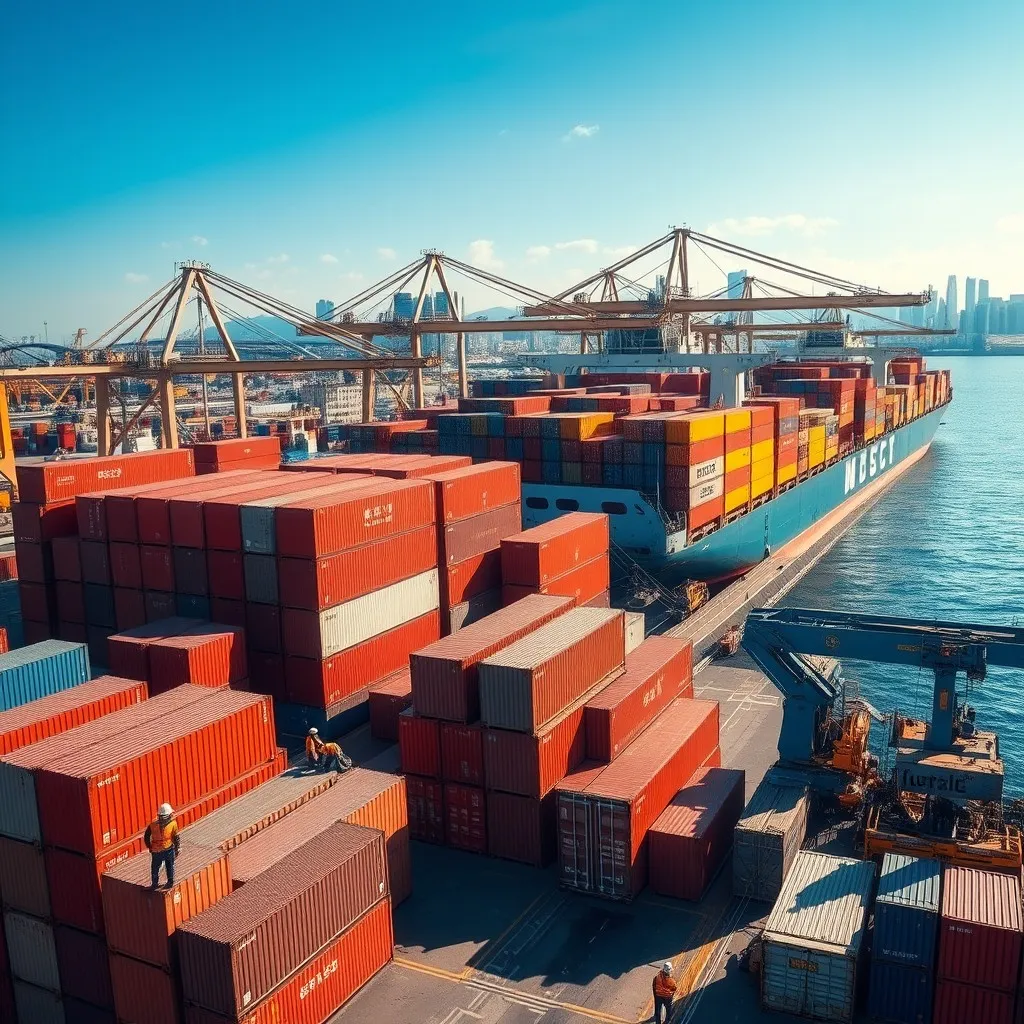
{"x": 36, "y": 523}
{"x": 157, "y": 564}
{"x": 125, "y": 567}
{"x": 152, "y": 511}
{"x": 190, "y": 573}
{"x": 263, "y": 628}
{"x": 657, "y": 672}
{"x": 966, "y": 1004}
{"x": 185, "y": 512}
{"x": 325, "y": 682}
{"x": 444, "y": 675}
{"x": 521, "y": 828}
{"x": 381, "y": 508}
{"x": 691, "y": 838}
{"x": 110, "y": 514}
{"x": 468, "y": 537}
{"x": 236, "y": 953}
{"x": 34, "y": 562}
{"x": 143, "y": 992}
{"x": 67, "y": 563}
{"x": 473, "y": 576}
{"x": 225, "y": 575}
{"x": 322, "y": 986}
{"x": 981, "y": 928}
{"x": 23, "y": 879}
{"x": 70, "y": 601}
{"x": 466, "y": 817}
{"x": 58, "y": 712}
{"x": 536, "y": 556}
{"x": 95, "y": 556}
{"x": 207, "y": 655}
{"x": 83, "y": 967}
{"x": 462, "y": 493}
{"x": 419, "y": 744}
{"x": 315, "y": 584}
{"x": 129, "y": 608}
{"x": 462, "y": 753}
{"x": 55, "y": 481}
{"x": 140, "y": 922}
{"x": 266, "y": 674}
{"x": 387, "y": 699}
{"x": 231, "y": 613}
{"x": 604, "y": 816}
{"x": 98, "y": 797}
{"x": 37, "y": 605}
{"x": 426, "y": 809}
{"x": 582, "y": 584}
{"x": 237, "y": 449}
{"x": 128, "y": 651}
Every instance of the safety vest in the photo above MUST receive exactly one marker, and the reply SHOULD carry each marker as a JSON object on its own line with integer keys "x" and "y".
{"x": 311, "y": 745}
{"x": 161, "y": 837}
{"x": 331, "y": 750}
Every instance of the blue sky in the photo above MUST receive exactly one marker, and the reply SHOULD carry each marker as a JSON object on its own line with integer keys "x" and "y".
{"x": 311, "y": 148}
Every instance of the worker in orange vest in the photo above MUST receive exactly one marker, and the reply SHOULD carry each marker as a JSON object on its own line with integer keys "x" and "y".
{"x": 314, "y": 748}
{"x": 664, "y": 990}
{"x": 332, "y": 758}
{"x": 163, "y": 842}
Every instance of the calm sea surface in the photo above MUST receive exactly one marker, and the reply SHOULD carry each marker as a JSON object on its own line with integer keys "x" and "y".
{"x": 946, "y": 542}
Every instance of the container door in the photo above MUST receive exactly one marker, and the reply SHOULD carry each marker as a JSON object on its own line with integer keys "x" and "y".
{"x": 830, "y": 990}
{"x": 574, "y": 841}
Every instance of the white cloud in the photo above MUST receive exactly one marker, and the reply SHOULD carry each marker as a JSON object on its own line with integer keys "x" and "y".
{"x": 619, "y": 251}
{"x": 538, "y": 252}
{"x": 754, "y": 226}
{"x": 199, "y": 240}
{"x": 282, "y": 257}
{"x": 581, "y": 131}
{"x": 133, "y": 278}
{"x": 328, "y": 258}
{"x": 481, "y": 254}
{"x": 578, "y": 245}
{"x": 1011, "y": 224}
{"x": 386, "y": 254}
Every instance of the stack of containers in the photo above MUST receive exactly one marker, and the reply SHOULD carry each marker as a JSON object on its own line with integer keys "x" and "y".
{"x": 533, "y": 697}
{"x": 387, "y": 699}
{"x": 786, "y": 420}
{"x": 767, "y": 839}
{"x": 695, "y": 467}
{"x": 46, "y": 510}
{"x": 370, "y": 437}
{"x": 446, "y": 708}
{"x": 567, "y": 557}
{"x": 237, "y": 453}
{"x": 762, "y": 452}
{"x": 477, "y": 507}
{"x": 28, "y": 673}
{"x": 737, "y": 460}
{"x": 815, "y": 422}
{"x": 980, "y": 938}
{"x": 905, "y": 939}
{"x": 865, "y": 410}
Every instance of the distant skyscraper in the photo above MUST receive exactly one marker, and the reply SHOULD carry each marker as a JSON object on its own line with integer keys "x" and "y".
{"x": 441, "y": 304}
{"x": 323, "y": 308}
{"x": 952, "y": 302}
{"x": 930, "y": 309}
{"x": 939, "y": 322}
{"x": 736, "y": 280}
{"x": 982, "y": 291}
{"x": 969, "y": 300}
{"x": 405, "y": 305}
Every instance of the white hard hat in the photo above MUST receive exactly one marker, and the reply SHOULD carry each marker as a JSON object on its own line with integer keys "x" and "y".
{"x": 314, "y": 731}
{"x": 164, "y": 811}
{"x": 667, "y": 966}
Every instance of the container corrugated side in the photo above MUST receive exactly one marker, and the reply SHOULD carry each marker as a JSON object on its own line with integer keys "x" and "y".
{"x": 84, "y": 967}
{"x": 900, "y": 993}
{"x": 465, "y": 811}
{"x": 31, "y": 950}
{"x": 426, "y": 809}
{"x": 260, "y": 579}
{"x": 237, "y": 952}
{"x": 143, "y": 992}
{"x": 521, "y": 828}
{"x": 152, "y": 512}
{"x": 66, "y": 710}
{"x": 533, "y": 680}
{"x": 322, "y": 986}
{"x": 472, "y": 490}
{"x": 445, "y": 674}
{"x": 128, "y": 651}
{"x": 207, "y": 655}
{"x": 28, "y": 673}
{"x": 766, "y": 840}
{"x": 419, "y": 744}
{"x": 23, "y": 883}
{"x": 468, "y": 538}
{"x": 907, "y": 910}
{"x": 38, "y": 1005}
{"x": 462, "y": 753}
{"x": 957, "y": 1003}
{"x": 387, "y": 700}
{"x": 535, "y": 556}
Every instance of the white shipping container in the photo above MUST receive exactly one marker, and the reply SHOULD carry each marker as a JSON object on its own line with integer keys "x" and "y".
{"x": 353, "y": 622}
{"x": 257, "y": 518}
{"x": 702, "y": 472}
{"x": 32, "y": 950}
{"x": 767, "y": 839}
{"x": 709, "y": 490}
{"x": 636, "y": 624}
{"x": 813, "y": 937}
{"x": 260, "y": 578}
{"x": 19, "y": 816}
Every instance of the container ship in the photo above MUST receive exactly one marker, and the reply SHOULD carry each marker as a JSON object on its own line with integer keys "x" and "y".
{"x": 692, "y": 492}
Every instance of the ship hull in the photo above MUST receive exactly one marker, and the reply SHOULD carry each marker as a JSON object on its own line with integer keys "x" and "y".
{"x": 639, "y": 530}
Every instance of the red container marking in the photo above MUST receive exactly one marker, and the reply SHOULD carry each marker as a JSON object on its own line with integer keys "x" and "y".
{"x": 544, "y": 553}
{"x": 465, "y": 817}
{"x": 129, "y": 608}
{"x": 462, "y": 493}
{"x": 207, "y": 655}
{"x": 125, "y": 566}
{"x": 36, "y": 523}
{"x": 582, "y": 584}
{"x": 316, "y": 584}
{"x": 521, "y": 828}
{"x": 469, "y": 537}
{"x": 419, "y": 744}
{"x": 657, "y": 672}
{"x": 462, "y": 753}
{"x": 426, "y": 809}
{"x": 387, "y": 700}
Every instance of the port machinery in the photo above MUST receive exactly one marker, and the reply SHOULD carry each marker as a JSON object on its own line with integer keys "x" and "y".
{"x": 944, "y": 795}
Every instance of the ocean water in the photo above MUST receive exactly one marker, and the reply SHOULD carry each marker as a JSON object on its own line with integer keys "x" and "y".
{"x": 946, "y": 542}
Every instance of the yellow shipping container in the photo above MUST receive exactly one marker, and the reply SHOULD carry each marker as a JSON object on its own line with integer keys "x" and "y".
{"x": 690, "y": 427}
{"x": 763, "y": 467}
{"x": 582, "y": 425}
{"x": 815, "y": 455}
{"x": 786, "y": 473}
{"x": 737, "y": 420}
{"x": 762, "y": 450}
{"x": 761, "y": 485}
{"x": 737, "y": 498}
{"x": 737, "y": 459}
{"x": 816, "y": 435}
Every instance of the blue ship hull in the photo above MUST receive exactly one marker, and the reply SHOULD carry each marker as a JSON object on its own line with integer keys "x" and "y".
{"x": 637, "y": 527}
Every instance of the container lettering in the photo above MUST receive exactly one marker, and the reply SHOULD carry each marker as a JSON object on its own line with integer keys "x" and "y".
{"x": 869, "y": 464}
{"x": 318, "y": 979}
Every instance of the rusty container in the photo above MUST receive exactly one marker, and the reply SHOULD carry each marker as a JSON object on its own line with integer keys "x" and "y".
{"x": 465, "y": 810}
{"x": 541, "y": 554}
{"x": 445, "y": 674}
{"x": 426, "y": 809}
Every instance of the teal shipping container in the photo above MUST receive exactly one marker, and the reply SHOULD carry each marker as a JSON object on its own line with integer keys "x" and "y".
{"x": 29, "y": 673}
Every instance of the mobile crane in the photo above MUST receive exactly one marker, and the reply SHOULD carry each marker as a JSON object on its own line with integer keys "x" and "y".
{"x": 944, "y": 797}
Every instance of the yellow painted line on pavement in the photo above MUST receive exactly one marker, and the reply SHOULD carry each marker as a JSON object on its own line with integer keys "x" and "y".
{"x": 436, "y": 972}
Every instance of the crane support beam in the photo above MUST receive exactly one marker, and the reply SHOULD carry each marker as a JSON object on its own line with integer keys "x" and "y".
{"x": 103, "y": 437}
{"x": 724, "y": 304}
{"x": 238, "y": 391}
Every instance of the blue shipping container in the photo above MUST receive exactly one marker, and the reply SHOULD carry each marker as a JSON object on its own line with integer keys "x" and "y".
{"x": 900, "y": 995}
{"x": 907, "y": 910}
{"x": 295, "y": 720}
{"x": 192, "y": 606}
{"x": 41, "y": 669}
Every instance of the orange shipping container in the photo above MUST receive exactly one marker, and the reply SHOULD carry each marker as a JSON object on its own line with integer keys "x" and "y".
{"x": 582, "y": 584}
{"x": 462, "y": 493}
{"x": 144, "y": 992}
{"x": 536, "y": 556}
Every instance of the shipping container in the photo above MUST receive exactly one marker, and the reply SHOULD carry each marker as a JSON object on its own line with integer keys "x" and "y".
{"x": 67, "y": 561}
{"x": 767, "y": 838}
{"x": 981, "y": 928}
{"x": 143, "y": 992}
{"x": 900, "y": 994}
{"x": 157, "y": 564}
{"x": 237, "y": 952}
{"x": 23, "y": 883}
{"x": 31, "y": 950}
{"x": 468, "y": 538}
{"x": 534, "y": 679}
{"x": 426, "y": 809}
{"x": 38, "y": 1005}
{"x": 465, "y": 809}
{"x": 28, "y": 673}
{"x": 37, "y": 523}
{"x": 478, "y": 607}
{"x": 128, "y": 651}
{"x": 207, "y": 655}
{"x": 419, "y": 744}
{"x": 521, "y": 828}
{"x": 324, "y": 984}
{"x": 445, "y": 674}
{"x": 657, "y": 672}
{"x": 471, "y": 577}
{"x": 67, "y": 709}
{"x": 473, "y": 490}
{"x": 235, "y": 450}
{"x": 112, "y": 515}
{"x": 691, "y": 838}
{"x": 814, "y": 935}
{"x": 583, "y": 584}
{"x": 462, "y": 753}
{"x": 957, "y": 1003}
{"x": 536, "y": 556}
{"x": 907, "y": 910}
{"x": 388, "y": 699}
{"x": 83, "y": 966}
{"x": 604, "y": 815}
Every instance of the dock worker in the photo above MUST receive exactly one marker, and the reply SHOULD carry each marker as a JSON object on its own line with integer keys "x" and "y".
{"x": 163, "y": 842}
{"x": 314, "y": 748}
{"x": 664, "y": 989}
{"x": 332, "y": 758}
